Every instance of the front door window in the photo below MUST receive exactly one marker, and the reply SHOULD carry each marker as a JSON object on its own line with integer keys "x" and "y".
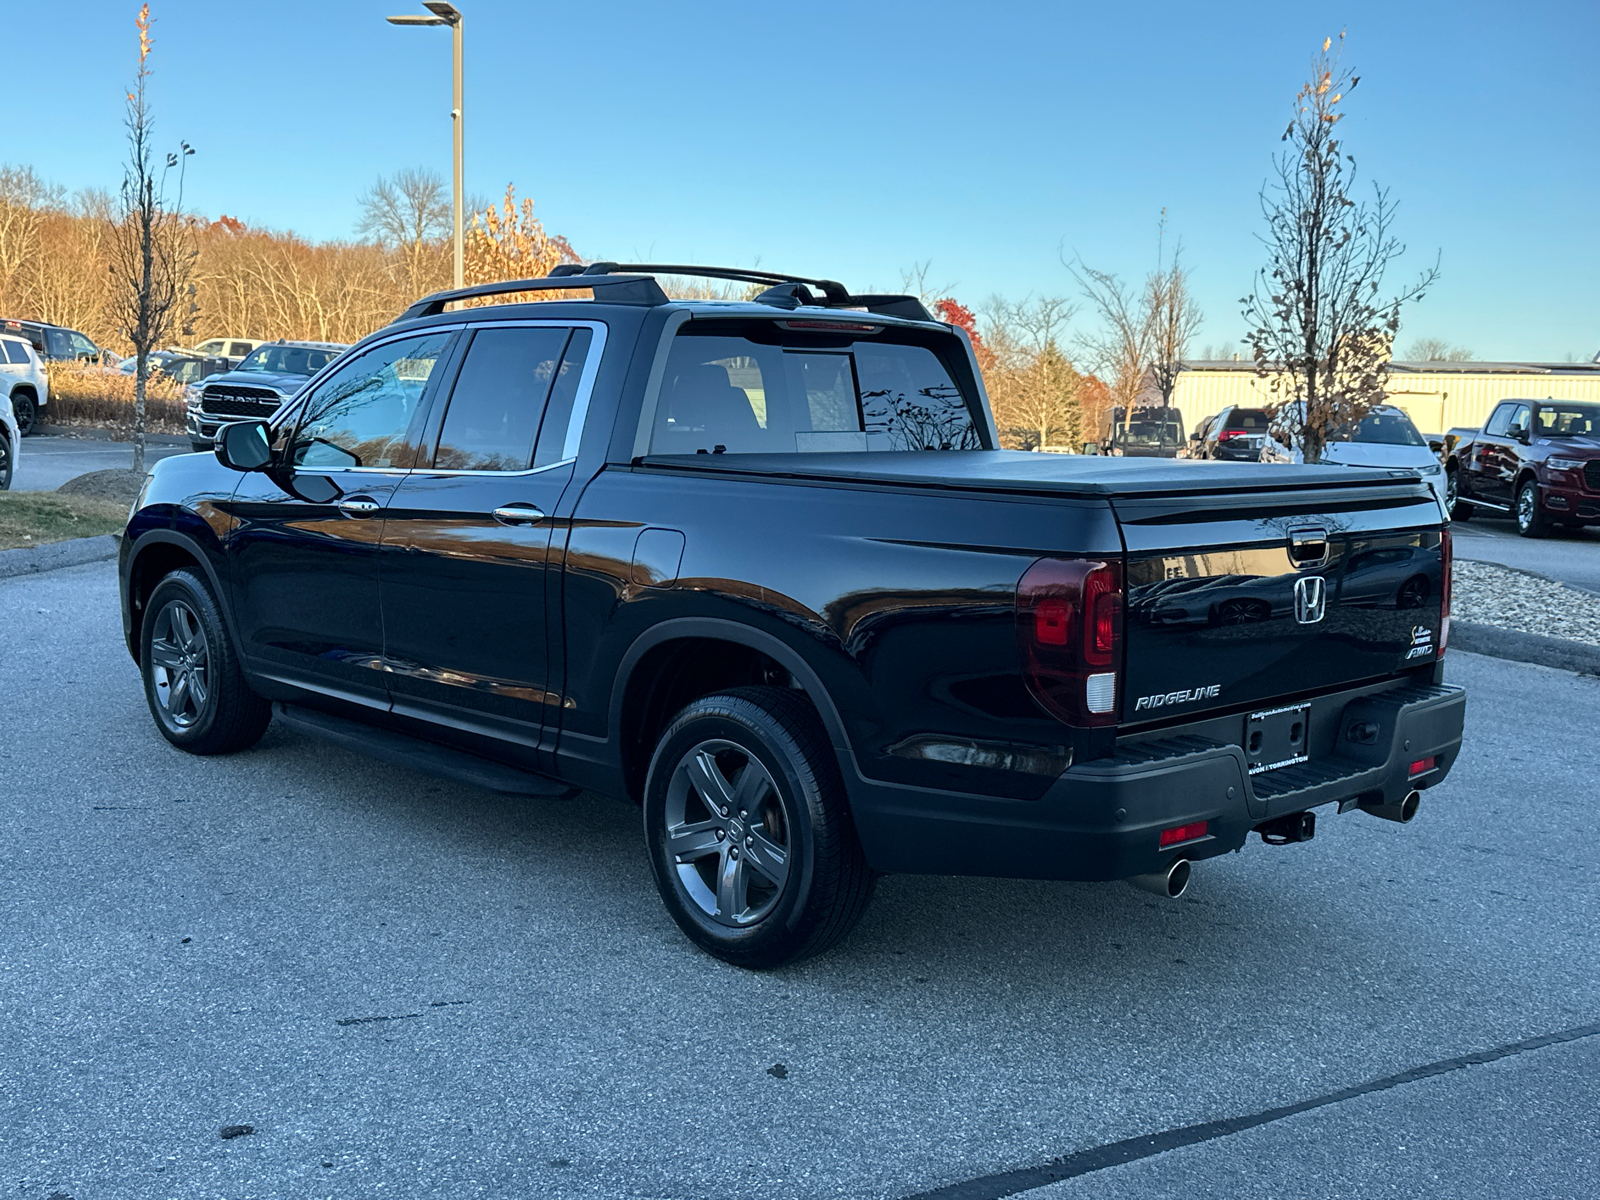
{"x": 363, "y": 414}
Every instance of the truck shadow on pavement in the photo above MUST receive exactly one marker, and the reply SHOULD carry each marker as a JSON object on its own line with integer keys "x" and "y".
{"x": 1245, "y": 914}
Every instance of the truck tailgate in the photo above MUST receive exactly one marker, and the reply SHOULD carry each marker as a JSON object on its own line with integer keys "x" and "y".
{"x": 1246, "y": 600}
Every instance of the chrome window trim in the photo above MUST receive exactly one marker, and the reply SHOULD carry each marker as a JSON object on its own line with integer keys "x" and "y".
{"x": 445, "y": 473}
{"x": 580, "y": 402}
{"x": 397, "y": 472}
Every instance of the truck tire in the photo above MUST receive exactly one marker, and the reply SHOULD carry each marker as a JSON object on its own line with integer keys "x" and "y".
{"x": 25, "y": 411}
{"x": 1459, "y": 509}
{"x": 1530, "y": 518}
{"x": 193, "y": 682}
{"x": 749, "y": 832}
{"x": 7, "y": 461}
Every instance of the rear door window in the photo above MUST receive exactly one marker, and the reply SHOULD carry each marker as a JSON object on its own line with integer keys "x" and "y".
{"x": 739, "y": 395}
{"x": 492, "y": 421}
{"x": 16, "y": 352}
{"x": 237, "y": 350}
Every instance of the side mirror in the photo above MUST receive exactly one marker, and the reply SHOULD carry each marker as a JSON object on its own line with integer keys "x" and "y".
{"x": 1522, "y": 435}
{"x": 244, "y": 446}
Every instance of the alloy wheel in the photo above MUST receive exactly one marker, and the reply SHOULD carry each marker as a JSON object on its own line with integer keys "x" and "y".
{"x": 727, "y": 832}
{"x": 5, "y": 463}
{"x": 180, "y": 664}
{"x": 1451, "y": 490}
{"x": 1527, "y": 499}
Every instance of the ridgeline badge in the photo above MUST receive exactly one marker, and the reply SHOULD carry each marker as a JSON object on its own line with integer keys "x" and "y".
{"x": 1187, "y": 696}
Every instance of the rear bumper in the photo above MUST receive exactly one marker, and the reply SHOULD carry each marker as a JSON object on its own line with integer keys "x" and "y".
{"x": 1102, "y": 820}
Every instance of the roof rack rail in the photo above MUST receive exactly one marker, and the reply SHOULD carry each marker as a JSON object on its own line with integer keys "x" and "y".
{"x": 615, "y": 289}
{"x": 635, "y": 283}
{"x": 784, "y": 294}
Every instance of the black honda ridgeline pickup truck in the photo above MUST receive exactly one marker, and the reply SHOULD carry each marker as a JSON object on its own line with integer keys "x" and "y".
{"x": 760, "y": 567}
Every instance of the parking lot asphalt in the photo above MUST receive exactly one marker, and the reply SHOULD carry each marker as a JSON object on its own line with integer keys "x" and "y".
{"x": 1572, "y": 557}
{"x": 410, "y": 988}
{"x": 49, "y": 460}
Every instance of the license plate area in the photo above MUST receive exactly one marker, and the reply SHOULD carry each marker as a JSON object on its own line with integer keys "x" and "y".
{"x": 1277, "y": 737}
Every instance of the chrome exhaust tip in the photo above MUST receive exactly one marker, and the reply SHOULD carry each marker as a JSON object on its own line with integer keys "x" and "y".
{"x": 1402, "y": 811}
{"x": 1171, "y": 883}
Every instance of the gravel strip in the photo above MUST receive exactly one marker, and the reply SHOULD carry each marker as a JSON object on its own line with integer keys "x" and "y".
{"x": 1489, "y": 594}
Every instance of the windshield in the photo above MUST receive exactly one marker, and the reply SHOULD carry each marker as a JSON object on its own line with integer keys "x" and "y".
{"x": 1390, "y": 427}
{"x": 287, "y": 360}
{"x": 1569, "y": 420}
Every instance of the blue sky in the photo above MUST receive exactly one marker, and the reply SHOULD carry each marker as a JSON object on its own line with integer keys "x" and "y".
{"x": 852, "y": 140}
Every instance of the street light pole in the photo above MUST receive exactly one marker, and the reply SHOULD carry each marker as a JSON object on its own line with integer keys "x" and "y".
{"x": 448, "y": 14}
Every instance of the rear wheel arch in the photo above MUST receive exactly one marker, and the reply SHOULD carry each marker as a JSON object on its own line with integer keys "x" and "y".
{"x": 683, "y": 660}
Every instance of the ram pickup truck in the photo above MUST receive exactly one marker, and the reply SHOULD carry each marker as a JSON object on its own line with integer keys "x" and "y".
{"x": 760, "y": 567}
{"x": 1536, "y": 461}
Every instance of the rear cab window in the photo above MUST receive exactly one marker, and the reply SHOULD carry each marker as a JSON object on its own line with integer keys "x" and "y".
{"x": 769, "y": 387}
{"x": 1255, "y": 420}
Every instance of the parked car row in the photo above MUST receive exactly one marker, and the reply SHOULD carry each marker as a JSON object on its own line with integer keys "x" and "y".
{"x": 253, "y": 376}
{"x": 25, "y": 385}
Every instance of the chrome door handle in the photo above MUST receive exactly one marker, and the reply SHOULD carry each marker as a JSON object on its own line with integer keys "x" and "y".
{"x": 518, "y": 514}
{"x": 359, "y": 506}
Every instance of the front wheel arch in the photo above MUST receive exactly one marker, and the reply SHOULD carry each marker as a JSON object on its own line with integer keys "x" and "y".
{"x": 157, "y": 554}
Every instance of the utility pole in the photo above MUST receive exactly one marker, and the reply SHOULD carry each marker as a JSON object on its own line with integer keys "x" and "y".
{"x": 445, "y": 13}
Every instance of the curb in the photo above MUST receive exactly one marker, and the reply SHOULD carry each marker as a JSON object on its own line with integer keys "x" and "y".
{"x": 93, "y": 433}
{"x": 74, "y": 552}
{"x": 1533, "y": 648}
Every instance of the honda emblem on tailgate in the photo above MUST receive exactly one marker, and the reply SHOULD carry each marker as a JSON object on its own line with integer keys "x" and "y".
{"x": 1310, "y": 599}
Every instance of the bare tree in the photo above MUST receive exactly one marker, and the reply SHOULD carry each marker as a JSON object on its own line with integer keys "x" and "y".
{"x": 1321, "y": 330}
{"x": 1034, "y": 387}
{"x": 25, "y": 199}
{"x": 1145, "y": 333}
{"x": 151, "y": 253}
{"x": 1432, "y": 349}
{"x": 1173, "y": 315}
{"x": 410, "y": 212}
{"x": 914, "y": 282}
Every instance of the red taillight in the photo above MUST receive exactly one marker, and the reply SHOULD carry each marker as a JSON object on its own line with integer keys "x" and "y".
{"x": 1183, "y": 833}
{"x": 1069, "y": 632}
{"x": 1447, "y": 565}
{"x": 1227, "y": 435}
{"x": 1423, "y": 765}
{"x": 1052, "y": 622}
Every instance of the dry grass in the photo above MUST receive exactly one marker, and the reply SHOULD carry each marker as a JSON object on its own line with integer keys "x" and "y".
{"x": 89, "y": 396}
{"x": 35, "y": 518}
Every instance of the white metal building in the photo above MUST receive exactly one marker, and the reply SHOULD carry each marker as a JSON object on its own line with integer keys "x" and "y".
{"x": 1436, "y": 395}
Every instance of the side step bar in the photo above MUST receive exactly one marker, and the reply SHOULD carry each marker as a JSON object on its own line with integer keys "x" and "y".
{"x": 427, "y": 757}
